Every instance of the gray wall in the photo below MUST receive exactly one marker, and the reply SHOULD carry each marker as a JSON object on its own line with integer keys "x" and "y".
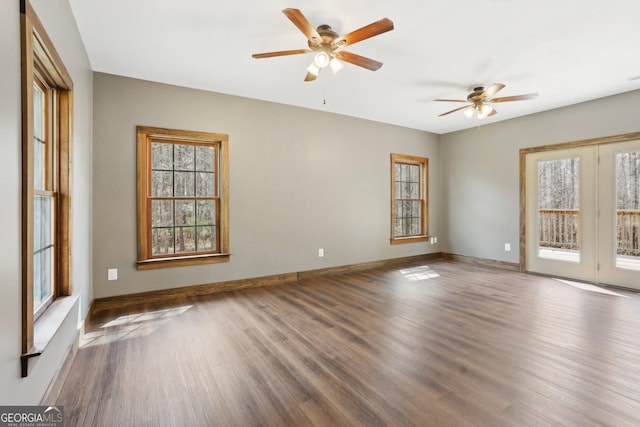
{"x": 299, "y": 180}
{"x": 481, "y": 169}
{"x": 59, "y": 22}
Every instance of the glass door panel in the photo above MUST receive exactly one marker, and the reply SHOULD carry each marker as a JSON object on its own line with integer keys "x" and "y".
{"x": 628, "y": 210}
{"x": 559, "y": 209}
{"x": 619, "y": 223}
{"x": 560, "y": 204}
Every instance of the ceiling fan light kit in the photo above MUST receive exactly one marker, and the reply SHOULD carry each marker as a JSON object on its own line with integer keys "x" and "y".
{"x": 480, "y": 101}
{"x": 482, "y": 111}
{"x": 321, "y": 60}
{"x": 327, "y": 45}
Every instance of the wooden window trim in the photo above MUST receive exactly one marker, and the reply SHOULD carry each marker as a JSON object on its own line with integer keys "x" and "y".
{"x": 423, "y": 162}
{"x": 145, "y": 134}
{"x": 38, "y": 56}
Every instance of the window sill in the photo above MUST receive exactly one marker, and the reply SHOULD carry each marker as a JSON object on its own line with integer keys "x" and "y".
{"x": 413, "y": 239}
{"x": 150, "y": 264}
{"x": 46, "y": 327}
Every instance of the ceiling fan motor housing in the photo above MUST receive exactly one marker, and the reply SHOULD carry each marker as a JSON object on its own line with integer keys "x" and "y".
{"x": 478, "y": 94}
{"x": 328, "y": 39}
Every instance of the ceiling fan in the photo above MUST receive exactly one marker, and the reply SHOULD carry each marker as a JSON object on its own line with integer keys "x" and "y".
{"x": 480, "y": 99}
{"x": 327, "y": 45}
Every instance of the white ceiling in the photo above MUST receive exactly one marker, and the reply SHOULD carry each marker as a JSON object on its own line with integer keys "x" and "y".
{"x": 568, "y": 51}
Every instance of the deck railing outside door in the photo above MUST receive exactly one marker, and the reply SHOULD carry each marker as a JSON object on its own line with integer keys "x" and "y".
{"x": 560, "y": 229}
{"x": 628, "y": 229}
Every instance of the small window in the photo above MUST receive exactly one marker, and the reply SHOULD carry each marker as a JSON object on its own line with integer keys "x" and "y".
{"x": 409, "y": 198}
{"x": 182, "y": 198}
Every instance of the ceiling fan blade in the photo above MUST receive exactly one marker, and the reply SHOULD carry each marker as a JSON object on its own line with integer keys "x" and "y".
{"x": 280, "y": 53}
{"x": 514, "y": 98}
{"x": 453, "y": 111}
{"x": 360, "y": 61}
{"x": 450, "y": 100}
{"x": 373, "y": 29}
{"x": 492, "y": 90}
{"x": 303, "y": 24}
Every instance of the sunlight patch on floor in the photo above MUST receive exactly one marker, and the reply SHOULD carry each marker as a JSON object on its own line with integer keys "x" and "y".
{"x": 590, "y": 288}
{"x": 416, "y": 274}
{"x": 131, "y": 326}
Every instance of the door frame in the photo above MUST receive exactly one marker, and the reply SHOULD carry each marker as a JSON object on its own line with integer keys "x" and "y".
{"x": 552, "y": 147}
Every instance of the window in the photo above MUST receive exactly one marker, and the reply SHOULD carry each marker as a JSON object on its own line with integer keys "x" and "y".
{"x": 46, "y": 166}
{"x": 409, "y": 195}
{"x": 182, "y": 198}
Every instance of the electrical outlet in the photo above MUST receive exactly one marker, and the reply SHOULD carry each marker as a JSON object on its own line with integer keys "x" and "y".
{"x": 431, "y": 240}
{"x": 507, "y": 247}
{"x": 112, "y": 274}
{"x": 320, "y": 253}
{"x": 435, "y": 240}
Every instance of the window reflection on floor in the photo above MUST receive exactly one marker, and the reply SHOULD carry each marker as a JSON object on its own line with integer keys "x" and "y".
{"x": 416, "y": 274}
{"x": 131, "y": 326}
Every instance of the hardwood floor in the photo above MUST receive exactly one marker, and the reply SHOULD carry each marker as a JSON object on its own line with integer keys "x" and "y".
{"x": 442, "y": 343}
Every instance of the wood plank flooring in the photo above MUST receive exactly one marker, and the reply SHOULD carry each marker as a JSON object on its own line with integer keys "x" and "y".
{"x": 431, "y": 344}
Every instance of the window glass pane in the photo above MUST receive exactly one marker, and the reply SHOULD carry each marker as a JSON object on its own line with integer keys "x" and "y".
{"x": 43, "y": 250}
{"x": 415, "y": 226}
{"x": 161, "y": 156}
{"x": 205, "y": 159}
{"x": 413, "y": 190}
{"x": 184, "y": 184}
{"x": 185, "y": 239}
{"x": 399, "y": 227}
{"x": 38, "y": 165}
{"x": 398, "y": 209}
{"x": 38, "y": 112}
{"x": 39, "y": 157}
{"x": 162, "y": 241}
{"x": 43, "y": 221}
{"x": 185, "y": 210}
{"x": 398, "y": 189}
{"x": 414, "y": 173}
{"x": 206, "y": 212}
{"x": 184, "y": 157}
{"x": 206, "y": 238}
{"x": 205, "y": 183}
{"x": 404, "y": 172}
{"x": 397, "y": 172}
{"x": 406, "y": 190}
{"x": 42, "y": 277}
{"x": 162, "y": 213}
{"x": 161, "y": 184}
{"x": 415, "y": 209}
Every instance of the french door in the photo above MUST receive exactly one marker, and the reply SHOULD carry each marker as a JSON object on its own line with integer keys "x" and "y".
{"x": 583, "y": 213}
